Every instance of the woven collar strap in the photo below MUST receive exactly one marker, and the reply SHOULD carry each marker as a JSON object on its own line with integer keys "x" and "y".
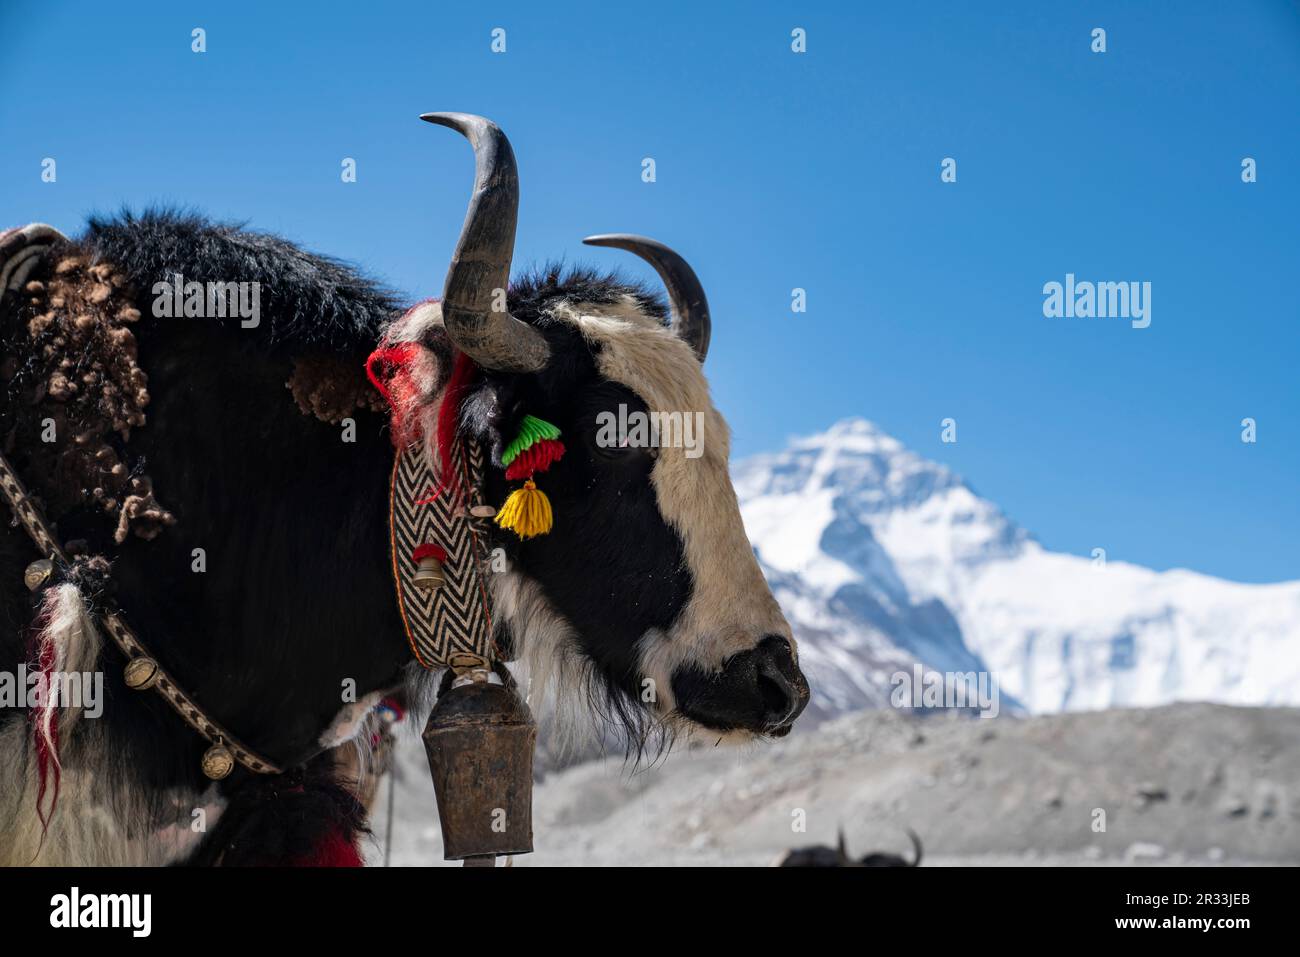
{"x": 142, "y": 670}
{"x": 448, "y": 623}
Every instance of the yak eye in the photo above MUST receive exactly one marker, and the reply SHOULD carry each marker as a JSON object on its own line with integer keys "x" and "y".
{"x": 610, "y": 450}
{"x": 621, "y": 449}
{"x": 610, "y": 438}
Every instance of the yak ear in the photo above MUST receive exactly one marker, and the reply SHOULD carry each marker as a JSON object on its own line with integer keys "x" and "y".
{"x": 493, "y": 411}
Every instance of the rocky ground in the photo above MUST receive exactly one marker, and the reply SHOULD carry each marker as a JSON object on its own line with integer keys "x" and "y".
{"x": 1181, "y": 784}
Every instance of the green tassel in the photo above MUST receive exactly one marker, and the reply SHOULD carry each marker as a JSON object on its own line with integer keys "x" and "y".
{"x": 531, "y": 429}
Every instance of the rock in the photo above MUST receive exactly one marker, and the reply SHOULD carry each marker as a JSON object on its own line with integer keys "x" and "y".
{"x": 1143, "y": 850}
{"x": 1235, "y": 807}
{"x": 1152, "y": 792}
{"x": 1268, "y": 807}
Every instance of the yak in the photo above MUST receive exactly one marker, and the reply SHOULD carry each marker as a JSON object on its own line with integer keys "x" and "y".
{"x": 819, "y": 855}
{"x": 195, "y": 473}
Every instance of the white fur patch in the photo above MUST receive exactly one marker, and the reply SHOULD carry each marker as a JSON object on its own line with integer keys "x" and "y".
{"x": 89, "y": 825}
{"x": 731, "y": 608}
{"x": 553, "y": 670}
{"x": 350, "y": 720}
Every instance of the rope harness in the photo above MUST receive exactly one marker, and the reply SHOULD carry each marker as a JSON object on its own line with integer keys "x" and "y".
{"x": 142, "y": 672}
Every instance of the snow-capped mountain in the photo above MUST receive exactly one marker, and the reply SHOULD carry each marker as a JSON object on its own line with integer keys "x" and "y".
{"x": 882, "y": 558}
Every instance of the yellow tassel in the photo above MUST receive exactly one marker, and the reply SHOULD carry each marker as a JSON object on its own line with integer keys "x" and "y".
{"x": 527, "y": 512}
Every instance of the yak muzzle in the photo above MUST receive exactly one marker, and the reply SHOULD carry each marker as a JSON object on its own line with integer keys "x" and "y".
{"x": 760, "y": 690}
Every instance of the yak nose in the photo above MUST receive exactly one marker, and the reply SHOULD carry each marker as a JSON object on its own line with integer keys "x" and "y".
{"x": 781, "y": 684}
{"x": 757, "y": 690}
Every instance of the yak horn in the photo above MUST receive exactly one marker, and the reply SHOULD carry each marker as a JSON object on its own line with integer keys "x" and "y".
{"x": 474, "y": 297}
{"x": 690, "y": 307}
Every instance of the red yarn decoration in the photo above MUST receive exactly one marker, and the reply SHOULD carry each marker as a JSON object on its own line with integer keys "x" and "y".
{"x": 47, "y": 750}
{"x": 538, "y": 457}
{"x": 386, "y": 368}
{"x": 393, "y": 705}
{"x": 463, "y": 371}
{"x": 333, "y": 849}
{"x": 427, "y": 549}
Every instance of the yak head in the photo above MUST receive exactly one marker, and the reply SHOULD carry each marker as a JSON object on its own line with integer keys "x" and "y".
{"x": 645, "y": 592}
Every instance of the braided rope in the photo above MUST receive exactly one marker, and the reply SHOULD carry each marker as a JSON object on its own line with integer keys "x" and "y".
{"x": 29, "y": 516}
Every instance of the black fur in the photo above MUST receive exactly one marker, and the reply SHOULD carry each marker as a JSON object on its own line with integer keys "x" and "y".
{"x": 283, "y": 820}
{"x": 298, "y": 596}
{"x": 311, "y": 301}
{"x": 532, "y": 293}
{"x": 819, "y": 855}
{"x": 611, "y": 565}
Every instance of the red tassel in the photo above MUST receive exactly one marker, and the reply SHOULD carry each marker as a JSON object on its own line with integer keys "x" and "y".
{"x": 463, "y": 371}
{"x": 538, "y": 457}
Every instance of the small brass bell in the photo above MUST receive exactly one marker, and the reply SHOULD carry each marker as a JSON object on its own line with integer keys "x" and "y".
{"x": 218, "y": 761}
{"x": 38, "y": 573}
{"x": 140, "y": 673}
{"x": 429, "y": 573}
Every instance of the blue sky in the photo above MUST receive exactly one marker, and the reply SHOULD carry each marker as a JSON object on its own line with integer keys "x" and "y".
{"x": 778, "y": 170}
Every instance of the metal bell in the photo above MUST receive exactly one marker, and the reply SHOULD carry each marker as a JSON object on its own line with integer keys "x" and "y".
{"x": 141, "y": 673}
{"x": 429, "y": 574}
{"x": 479, "y": 741}
{"x": 218, "y": 761}
{"x": 38, "y": 573}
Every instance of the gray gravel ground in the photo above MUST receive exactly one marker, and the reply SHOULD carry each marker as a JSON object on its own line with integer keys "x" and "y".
{"x": 1181, "y": 784}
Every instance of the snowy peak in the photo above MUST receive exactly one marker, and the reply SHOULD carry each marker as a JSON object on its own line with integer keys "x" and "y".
{"x": 853, "y": 454}
{"x": 881, "y": 558}
{"x": 835, "y": 493}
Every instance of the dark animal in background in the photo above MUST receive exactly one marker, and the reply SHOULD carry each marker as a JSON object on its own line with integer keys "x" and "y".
{"x": 819, "y": 855}
{"x": 175, "y": 434}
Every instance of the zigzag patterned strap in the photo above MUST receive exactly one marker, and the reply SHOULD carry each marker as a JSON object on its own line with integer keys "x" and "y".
{"x": 29, "y": 516}
{"x": 451, "y": 624}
